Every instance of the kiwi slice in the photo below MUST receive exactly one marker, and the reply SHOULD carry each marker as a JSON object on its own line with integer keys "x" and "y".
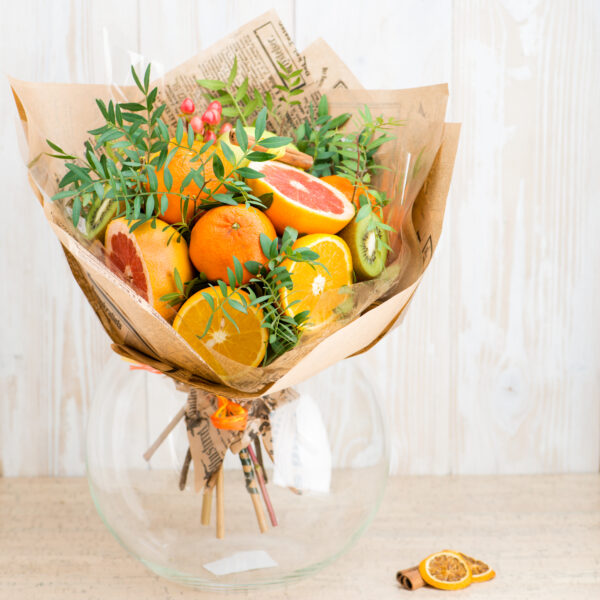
{"x": 99, "y": 216}
{"x": 366, "y": 238}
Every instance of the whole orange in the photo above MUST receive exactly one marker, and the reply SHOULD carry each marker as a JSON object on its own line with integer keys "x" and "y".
{"x": 179, "y": 167}
{"x": 227, "y": 231}
{"x": 351, "y": 192}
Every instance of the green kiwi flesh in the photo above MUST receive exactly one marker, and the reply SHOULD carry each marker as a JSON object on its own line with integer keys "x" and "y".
{"x": 364, "y": 238}
{"x": 98, "y": 218}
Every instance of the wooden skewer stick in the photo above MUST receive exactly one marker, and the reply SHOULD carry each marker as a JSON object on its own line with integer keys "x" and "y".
{"x": 185, "y": 469}
{"x": 220, "y": 504}
{"x": 252, "y": 489}
{"x": 207, "y": 496}
{"x": 263, "y": 487}
{"x": 291, "y": 157}
{"x": 165, "y": 432}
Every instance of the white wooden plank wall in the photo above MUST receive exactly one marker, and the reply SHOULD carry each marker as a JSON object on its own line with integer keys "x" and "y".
{"x": 496, "y": 368}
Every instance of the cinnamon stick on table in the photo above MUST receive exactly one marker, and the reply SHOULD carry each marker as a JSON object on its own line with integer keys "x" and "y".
{"x": 291, "y": 157}
{"x": 410, "y": 579}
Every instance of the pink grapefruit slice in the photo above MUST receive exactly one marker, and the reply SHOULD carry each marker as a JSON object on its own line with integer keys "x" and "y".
{"x": 300, "y": 200}
{"x": 146, "y": 260}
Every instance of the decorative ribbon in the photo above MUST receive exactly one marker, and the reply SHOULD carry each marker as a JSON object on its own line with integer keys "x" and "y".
{"x": 237, "y": 425}
{"x": 230, "y": 415}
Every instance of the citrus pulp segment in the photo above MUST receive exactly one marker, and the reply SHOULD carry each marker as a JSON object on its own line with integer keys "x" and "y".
{"x": 146, "y": 260}
{"x": 317, "y": 288}
{"x": 210, "y": 333}
{"x": 300, "y": 200}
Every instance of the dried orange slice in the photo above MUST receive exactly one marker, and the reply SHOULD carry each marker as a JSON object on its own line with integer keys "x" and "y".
{"x": 317, "y": 288}
{"x": 446, "y": 570}
{"x": 208, "y": 330}
{"x": 479, "y": 570}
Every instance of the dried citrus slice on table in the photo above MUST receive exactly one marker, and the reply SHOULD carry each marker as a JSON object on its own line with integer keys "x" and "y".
{"x": 446, "y": 570}
{"x": 203, "y": 322}
{"x": 479, "y": 570}
{"x": 317, "y": 288}
{"x": 146, "y": 259}
{"x": 300, "y": 200}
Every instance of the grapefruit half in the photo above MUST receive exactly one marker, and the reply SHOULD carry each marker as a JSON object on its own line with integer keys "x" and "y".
{"x": 300, "y": 200}
{"x": 146, "y": 260}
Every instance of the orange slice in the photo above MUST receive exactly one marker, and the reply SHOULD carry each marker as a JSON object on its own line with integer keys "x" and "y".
{"x": 480, "y": 571}
{"x": 317, "y": 289}
{"x": 146, "y": 260}
{"x": 446, "y": 570}
{"x": 210, "y": 337}
{"x": 300, "y": 200}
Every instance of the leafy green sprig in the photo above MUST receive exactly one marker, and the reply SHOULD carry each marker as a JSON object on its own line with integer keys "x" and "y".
{"x": 242, "y": 102}
{"x": 135, "y": 143}
{"x": 263, "y": 291}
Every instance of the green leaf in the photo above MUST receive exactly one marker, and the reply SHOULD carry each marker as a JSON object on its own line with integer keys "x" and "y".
{"x": 248, "y": 173}
{"x": 211, "y": 84}
{"x": 137, "y": 81}
{"x": 239, "y": 271}
{"x": 179, "y": 131}
{"x": 241, "y": 136}
{"x": 164, "y": 204}
{"x": 147, "y": 78}
{"x": 265, "y": 244}
{"x": 275, "y": 142}
{"x": 218, "y": 168}
{"x": 260, "y": 124}
{"x": 323, "y": 108}
{"x": 259, "y": 156}
{"x": 209, "y": 299}
{"x": 233, "y": 72}
{"x": 241, "y": 90}
{"x": 76, "y": 210}
{"x": 228, "y": 154}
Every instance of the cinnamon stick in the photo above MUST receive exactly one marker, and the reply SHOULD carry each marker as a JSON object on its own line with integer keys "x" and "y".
{"x": 410, "y": 579}
{"x": 291, "y": 156}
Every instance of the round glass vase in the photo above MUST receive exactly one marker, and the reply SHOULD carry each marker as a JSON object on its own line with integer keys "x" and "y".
{"x": 331, "y": 460}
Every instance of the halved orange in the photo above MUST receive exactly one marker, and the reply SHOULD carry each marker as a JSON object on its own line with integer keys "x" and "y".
{"x": 147, "y": 258}
{"x": 480, "y": 571}
{"x": 301, "y": 200}
{"x": 317, "y": 289}
{"x": 245, "y": 342}
{"x": 446, "y": 570}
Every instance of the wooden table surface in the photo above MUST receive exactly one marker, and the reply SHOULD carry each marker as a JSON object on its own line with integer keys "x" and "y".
{"x": 540, "y": 533}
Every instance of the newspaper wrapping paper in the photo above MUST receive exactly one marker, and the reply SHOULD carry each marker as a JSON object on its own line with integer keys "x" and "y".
{"x": 422, "y": 160}
{"x": 208, "y": 444}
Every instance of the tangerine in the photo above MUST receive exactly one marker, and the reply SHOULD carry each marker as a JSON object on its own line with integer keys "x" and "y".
{"x": 227, "y": 231}
{"x": 181, "y": 164}
{"x": 351, "y": 192}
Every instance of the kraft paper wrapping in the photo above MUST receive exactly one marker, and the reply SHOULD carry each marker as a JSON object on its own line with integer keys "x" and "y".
{"x": 421, "y": 160}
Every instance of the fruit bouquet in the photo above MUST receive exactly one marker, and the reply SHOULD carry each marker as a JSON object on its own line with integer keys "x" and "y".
{"x": 239, "y": 225}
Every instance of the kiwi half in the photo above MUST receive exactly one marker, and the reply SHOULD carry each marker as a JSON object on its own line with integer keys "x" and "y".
{"x": 364, "y": 238}
{"x": 99, "y": 216}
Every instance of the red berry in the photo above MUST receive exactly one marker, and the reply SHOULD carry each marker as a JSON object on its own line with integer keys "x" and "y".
{"x": 210, "y": 136}
{"x": 225, "y": 128}
{"x": 216, "y": 106}
{"x": 197, "y": 124}
{"x": 211, "y": 116}
{"x": 187, "y": 106}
